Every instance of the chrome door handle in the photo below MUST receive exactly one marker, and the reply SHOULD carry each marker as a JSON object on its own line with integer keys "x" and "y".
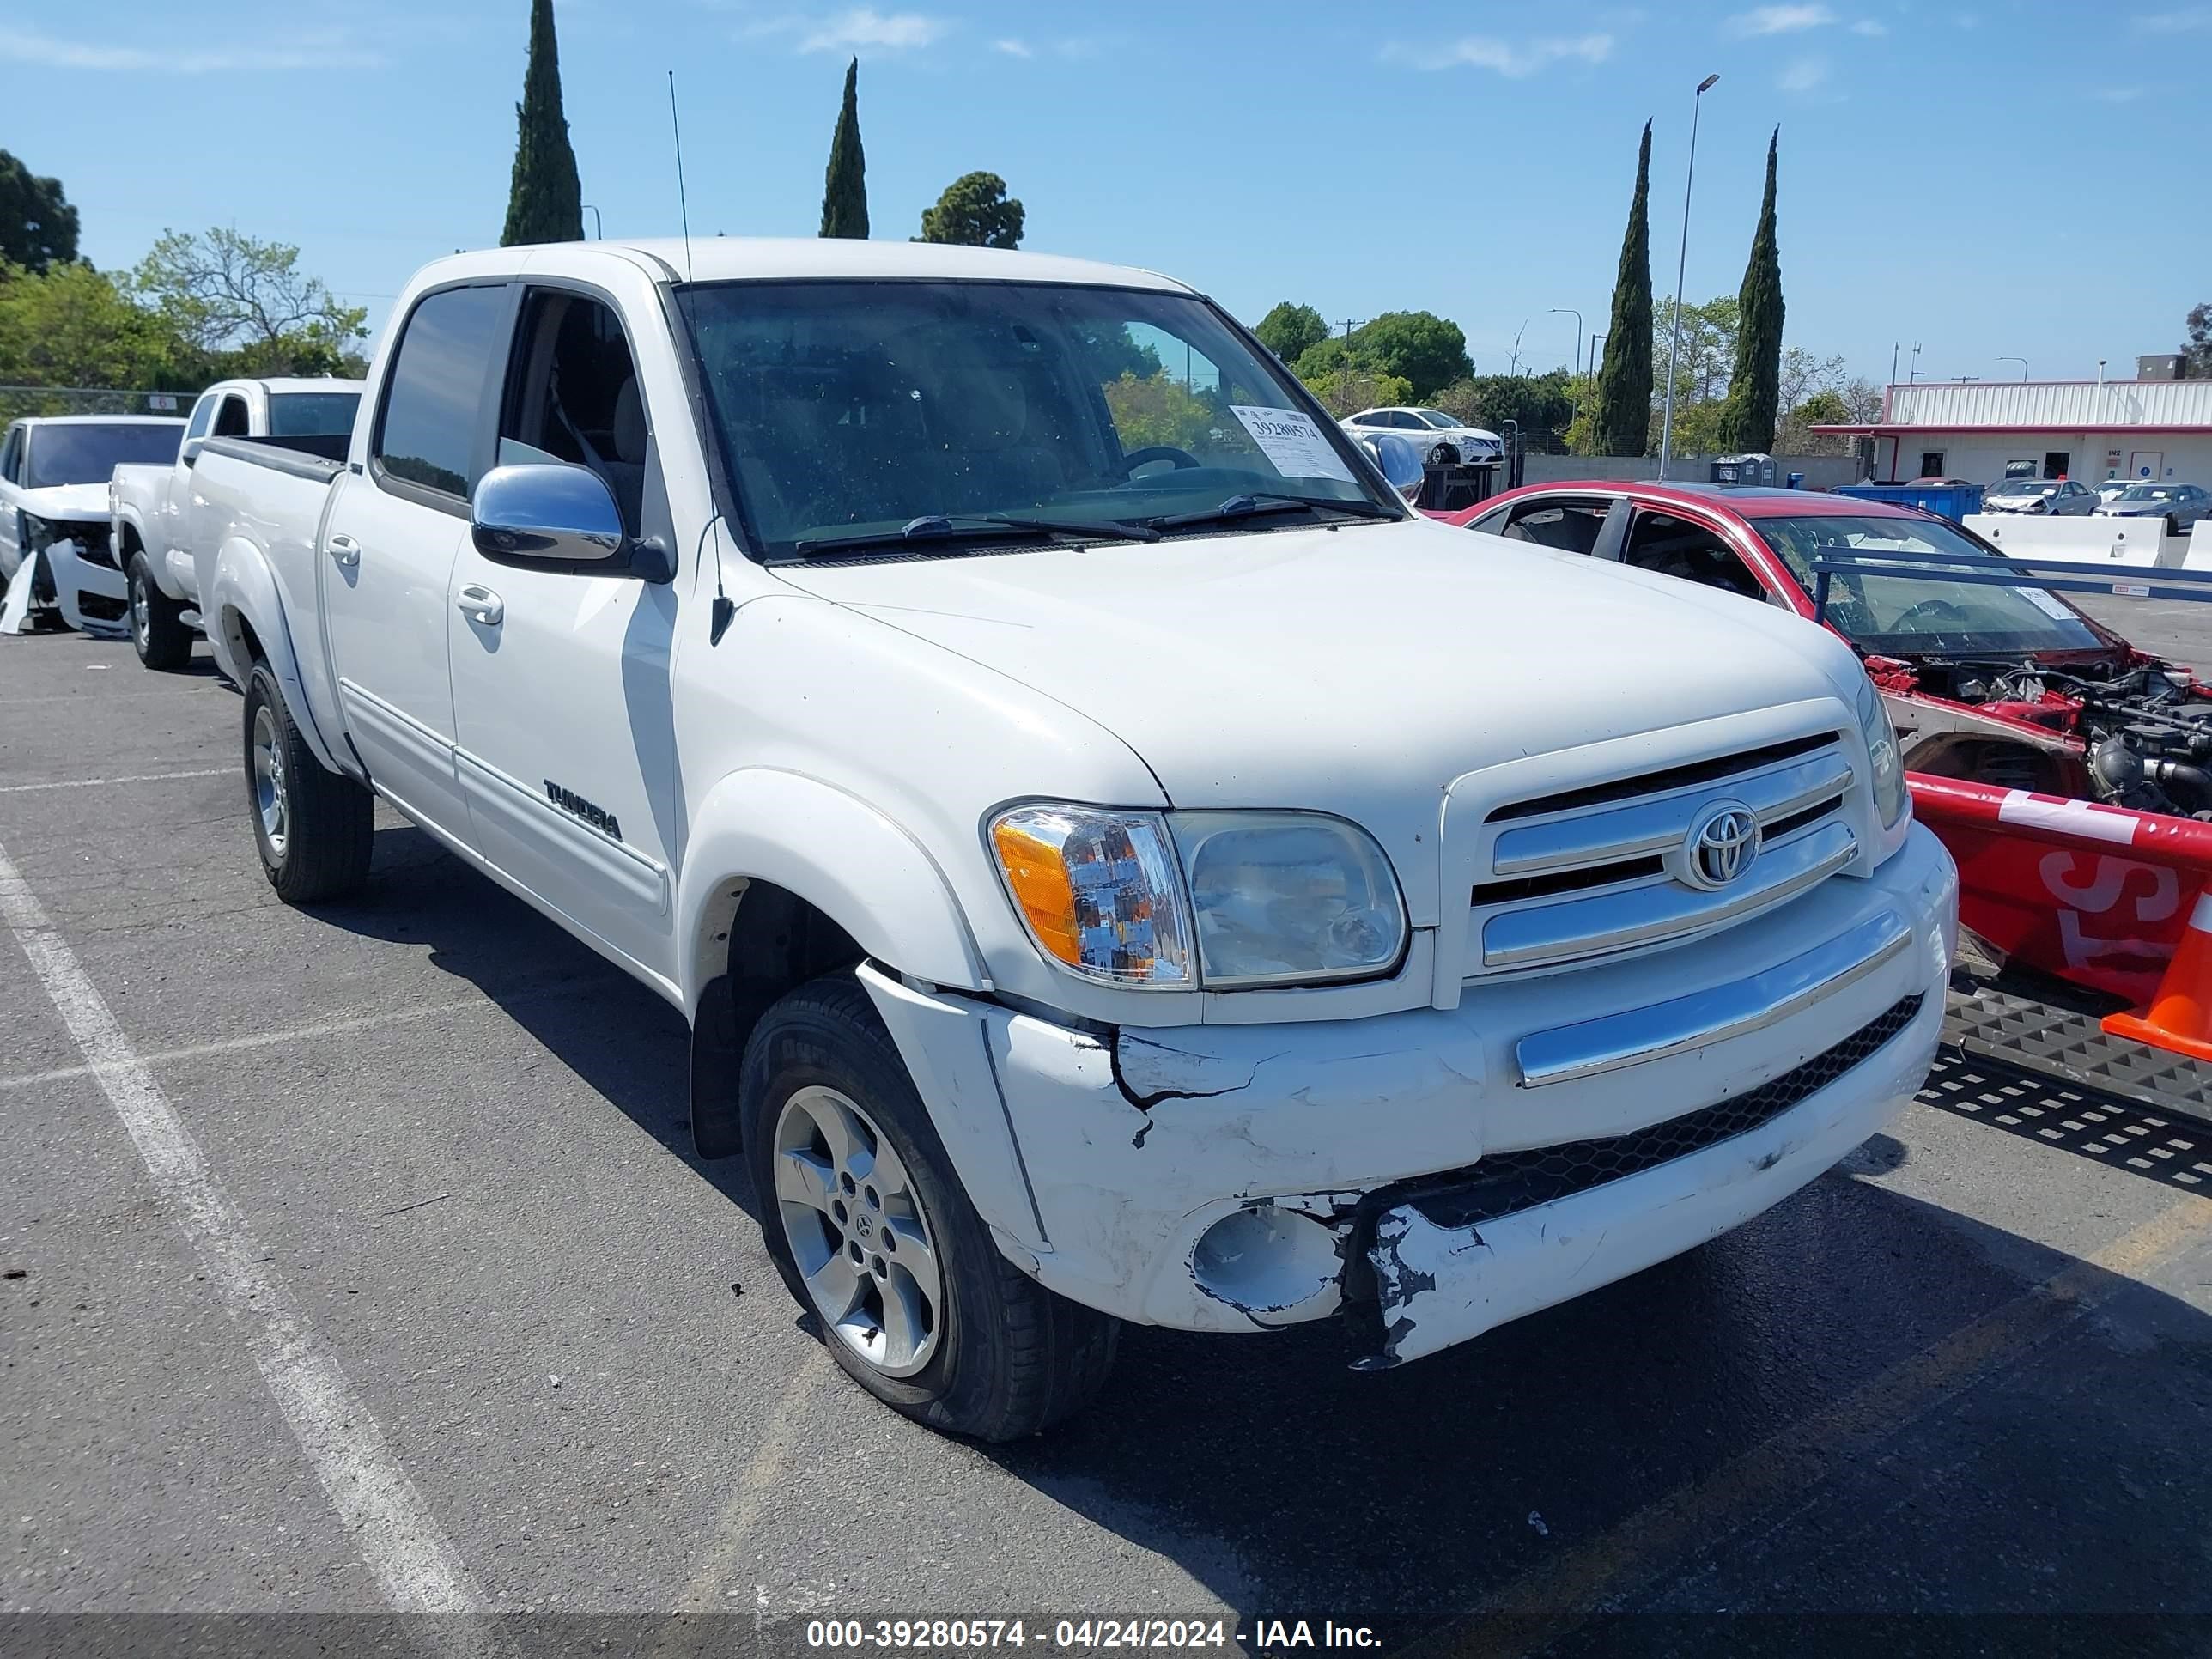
{"x": 480, "y": 605}
{"x": 344, "y": 549}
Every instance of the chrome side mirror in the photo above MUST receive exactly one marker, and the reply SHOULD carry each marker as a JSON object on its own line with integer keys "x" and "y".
{"x": 1398, "y": 461}
{"x": 538, "y": 514}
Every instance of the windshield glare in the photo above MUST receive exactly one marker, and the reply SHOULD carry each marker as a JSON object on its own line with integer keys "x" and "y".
{"x": 1435, "y": 417}
{"x": 1907, "y": 615}
{"x": 851, "y": 408}
{"x": 312, "y": 414}
{"x": 2028, "y": 487}
{"x": 2149, "y": 492}
{"x": 88, "y": 454}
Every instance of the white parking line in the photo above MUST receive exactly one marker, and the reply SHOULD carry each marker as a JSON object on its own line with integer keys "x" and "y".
{"x": 134, "y": 777}
{"x": 398, "y": 1538}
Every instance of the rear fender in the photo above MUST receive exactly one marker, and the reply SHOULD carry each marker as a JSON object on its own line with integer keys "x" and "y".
{"x": 243, "y": 597}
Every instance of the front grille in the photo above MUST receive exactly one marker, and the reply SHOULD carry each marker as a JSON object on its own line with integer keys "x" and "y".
{"x": 1506, "y": 1183}
{"x": 1604, "y": 868}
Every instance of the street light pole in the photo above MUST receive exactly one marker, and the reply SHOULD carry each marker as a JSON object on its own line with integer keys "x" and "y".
{"x": 2022, "y": 362}
{"x": 597, "y": 224}
{"x": 1682, "y": 264}
{"x": 1569, "y": 311}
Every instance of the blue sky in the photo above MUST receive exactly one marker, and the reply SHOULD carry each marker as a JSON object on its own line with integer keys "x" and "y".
{"x": 1948, "y": 166}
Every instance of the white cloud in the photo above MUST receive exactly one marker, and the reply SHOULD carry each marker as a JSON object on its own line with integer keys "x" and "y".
{"x": 1515, "y": 59}
{"x": 1780, "y": 20}
{"x": 305, "y": 52}
{"x": 2190, "y": 19}
{"x": 1804, "y": 75}
{"x": 1012, "y": 48}
{"x": 852, "y": 30}
{"x": 1872, "y": 27}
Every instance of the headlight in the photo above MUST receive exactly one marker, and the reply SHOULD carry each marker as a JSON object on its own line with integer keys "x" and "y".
{"x": 1269, "y": 898}
{"x": 1288, "y": 898}
{"x": 1889, "y": 793}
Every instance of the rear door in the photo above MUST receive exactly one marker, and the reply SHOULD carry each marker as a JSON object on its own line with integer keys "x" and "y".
{"x": 561, "y": 697}
{"x": 391, "y": 537}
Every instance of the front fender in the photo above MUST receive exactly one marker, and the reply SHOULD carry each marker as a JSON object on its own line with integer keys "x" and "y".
{"x": 840, "y": 855}
{"x": 244, "y": 590}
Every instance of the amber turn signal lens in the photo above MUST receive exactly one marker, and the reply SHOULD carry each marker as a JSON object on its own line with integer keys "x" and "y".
{"x": 1037, "y": 874}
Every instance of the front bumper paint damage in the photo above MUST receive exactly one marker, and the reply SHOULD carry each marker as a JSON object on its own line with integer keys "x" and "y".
{"x": 1104, "y": 1160}
{"x": 73, "y": 577}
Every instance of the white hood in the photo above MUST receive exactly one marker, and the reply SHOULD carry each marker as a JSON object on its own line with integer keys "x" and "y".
{"x": 59, "y": 502}
{"x": 1357, "y": 670}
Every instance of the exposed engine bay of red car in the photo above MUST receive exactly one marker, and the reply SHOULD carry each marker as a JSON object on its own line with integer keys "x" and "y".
{"x": 2128, "y": 731}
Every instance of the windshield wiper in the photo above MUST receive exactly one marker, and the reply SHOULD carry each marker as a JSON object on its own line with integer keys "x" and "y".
{"x": 1251, "y": 506}
{"x": 964, "y": 527}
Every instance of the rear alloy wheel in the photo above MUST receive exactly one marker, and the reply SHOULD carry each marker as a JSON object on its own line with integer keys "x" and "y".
{"x": 158, "y": 633}
{"x": 311, "y": 826}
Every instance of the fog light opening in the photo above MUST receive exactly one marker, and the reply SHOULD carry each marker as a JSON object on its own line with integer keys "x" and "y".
{"x": 1270, "y": 1260}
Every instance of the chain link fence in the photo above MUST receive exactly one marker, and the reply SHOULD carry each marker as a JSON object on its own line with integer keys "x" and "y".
{"x": 18, "y": 401}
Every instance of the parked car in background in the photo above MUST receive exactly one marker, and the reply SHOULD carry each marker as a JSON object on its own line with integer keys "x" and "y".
{"x": 2060, "y": 498}
{"x": 2107, "y": 489}
{"x": 2004, "y": 696}
{"x": 1430, "y": 430}
{"x": 54, "y": 526}
{"x": 147, "y": 504}
{"x": 2181, "y": 505}
{"x": 1070, "y": 936}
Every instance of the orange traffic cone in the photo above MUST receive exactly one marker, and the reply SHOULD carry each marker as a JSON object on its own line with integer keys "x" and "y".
{"x": 2179, "y": 1017}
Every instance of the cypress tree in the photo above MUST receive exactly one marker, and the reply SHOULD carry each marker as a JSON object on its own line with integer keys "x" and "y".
{"x": 1622, "y": 425}
{"x": 845, "y": 188}
{"x": 545, "y": 203}
{"x": 1755, "y": 387}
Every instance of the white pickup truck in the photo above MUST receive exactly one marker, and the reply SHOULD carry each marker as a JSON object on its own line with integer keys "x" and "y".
{"x": 1108, "y": 878}
{"x": 147, "y": 505}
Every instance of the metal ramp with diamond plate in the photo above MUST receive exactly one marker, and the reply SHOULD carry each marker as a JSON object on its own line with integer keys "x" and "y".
{"x": 2067, "y": 1047}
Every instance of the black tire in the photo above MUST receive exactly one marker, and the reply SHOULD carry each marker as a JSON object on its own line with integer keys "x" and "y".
{"x": 316, "y": 844}
{"x": 2172, "y": 524}
{"x": 157, "y": 626}
{"x": 1011, "y": 1358}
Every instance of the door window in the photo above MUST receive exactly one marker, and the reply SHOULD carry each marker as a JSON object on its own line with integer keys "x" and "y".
{"x": 1931, "y": 464}
{"x": 1676, "y": 547}
{"x": 202, "y": 415}
{"x": 575, "y": 397}
{"x": 230, "y": 420}
{"x": 1570, "y": 526}
{"x": 428, "y": 436}
{"x": 11, "y": 456}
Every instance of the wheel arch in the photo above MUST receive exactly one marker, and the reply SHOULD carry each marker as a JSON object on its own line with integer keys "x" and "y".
{"x": 244, "y": 623}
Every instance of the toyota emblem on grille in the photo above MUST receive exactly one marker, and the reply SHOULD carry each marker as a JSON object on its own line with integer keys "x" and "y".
{"x": 1721, "y": 845}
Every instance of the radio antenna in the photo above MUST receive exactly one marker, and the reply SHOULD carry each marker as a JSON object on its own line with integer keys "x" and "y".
{"x": 682, "y": 206}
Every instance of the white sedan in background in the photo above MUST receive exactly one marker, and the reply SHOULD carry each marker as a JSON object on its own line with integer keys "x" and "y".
{"x": 1428, "y": 430}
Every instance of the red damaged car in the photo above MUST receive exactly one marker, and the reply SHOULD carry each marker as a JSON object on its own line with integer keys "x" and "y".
{"x": 2070, "y": 773}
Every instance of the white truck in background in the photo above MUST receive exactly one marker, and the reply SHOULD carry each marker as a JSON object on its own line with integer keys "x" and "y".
{"x": 147, "y": 505}
{"x": 1109, "y": 874}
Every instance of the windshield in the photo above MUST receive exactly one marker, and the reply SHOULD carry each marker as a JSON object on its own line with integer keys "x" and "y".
{"x": 2027, "y": 487}
{"x": 1906, "y": 615}
{"x": 2149, "y": 492}
{"x": 850, "y": 408}
{"x": 312, "y": 414}
{"x": 88, "y": 454}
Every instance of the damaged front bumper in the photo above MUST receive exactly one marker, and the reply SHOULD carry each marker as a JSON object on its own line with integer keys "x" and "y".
{"x": 1416, "y": 1171}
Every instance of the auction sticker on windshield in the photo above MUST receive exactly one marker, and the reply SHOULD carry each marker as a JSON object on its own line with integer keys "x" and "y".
{"x": 1292, "y": 442}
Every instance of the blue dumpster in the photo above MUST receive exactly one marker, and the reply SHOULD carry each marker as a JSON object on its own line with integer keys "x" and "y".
{"x": 1952, "y": 501}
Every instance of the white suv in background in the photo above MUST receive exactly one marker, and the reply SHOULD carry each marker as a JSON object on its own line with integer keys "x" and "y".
{"x": 1427, "y": 429}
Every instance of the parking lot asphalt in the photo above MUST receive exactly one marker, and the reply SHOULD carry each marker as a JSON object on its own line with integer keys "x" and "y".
{"x": 1970, "y": 1372}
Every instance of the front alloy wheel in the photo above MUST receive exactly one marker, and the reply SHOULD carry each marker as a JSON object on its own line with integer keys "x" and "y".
{"x": 857, "y": 1231}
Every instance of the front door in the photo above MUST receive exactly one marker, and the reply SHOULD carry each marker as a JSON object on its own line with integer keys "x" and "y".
{"x": 11, "y": 479}
{"x": 390, "y": 542}
{"x": 561, "y": 697}
{"x": 2146, "y": 466}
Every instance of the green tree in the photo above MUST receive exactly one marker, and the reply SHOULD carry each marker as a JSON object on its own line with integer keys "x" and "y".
{"x": 1290, "y": 330}
{"x": 545, "y": 201}
{"x": 1417, "y": 346}
{"x": 37, "y": 227}
{"x": 1754, "y": 394}
{"x": 2198, "y": 348}
{"x": 1544, "y": 404}
{"x": 70, "y": 325}
{"x": 845, "y": 189}
{"x": 1623, "y": 417}
{"x": 974, "y": 211}
{"x": 1159, "y": 409}
{"x": 244, "y": 306}
{"x": 1707, "y": 352}
{"x": 1348, "y": 388}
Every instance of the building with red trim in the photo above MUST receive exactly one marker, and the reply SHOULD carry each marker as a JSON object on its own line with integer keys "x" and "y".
{"x": 1985, "y": 430}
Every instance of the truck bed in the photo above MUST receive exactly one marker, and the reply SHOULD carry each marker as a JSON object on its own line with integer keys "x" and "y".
{"x": 313, "y": 456}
